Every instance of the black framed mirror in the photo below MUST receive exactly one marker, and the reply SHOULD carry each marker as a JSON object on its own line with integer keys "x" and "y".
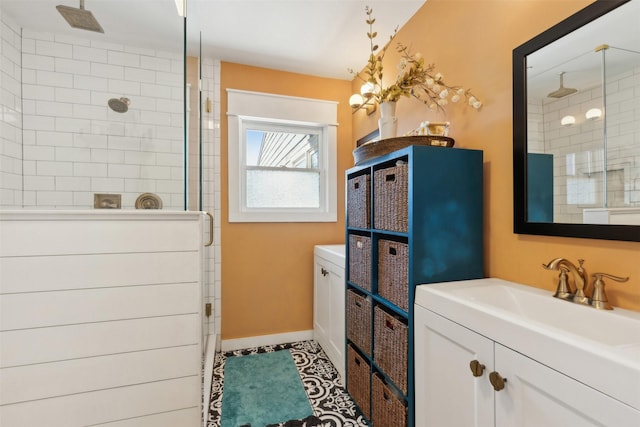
{"x": 576, "y": 126}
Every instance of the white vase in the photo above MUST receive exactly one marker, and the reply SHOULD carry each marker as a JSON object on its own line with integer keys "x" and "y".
{"x": 388, "y": 122}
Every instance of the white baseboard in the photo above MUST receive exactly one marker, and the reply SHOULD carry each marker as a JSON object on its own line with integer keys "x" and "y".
{"x": 249, "y": 342}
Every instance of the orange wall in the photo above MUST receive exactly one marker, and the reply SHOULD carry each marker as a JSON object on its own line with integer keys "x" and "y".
{"x": 471, "y": 42}
{"x": 267, "y": 268}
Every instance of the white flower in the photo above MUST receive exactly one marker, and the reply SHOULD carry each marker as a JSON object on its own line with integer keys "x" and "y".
{"x": 477, "y": 105}
{"x": 438, "y": 77}
{"x": 442, "y": 102}
{"x": 461, "y": 91}
{"x": 472, "y": 99}
{"x": 444, "y": 93}
{"x": 429, "y": 82}
{"x": 436, "y": 88}
{"x": 455, "y": 98}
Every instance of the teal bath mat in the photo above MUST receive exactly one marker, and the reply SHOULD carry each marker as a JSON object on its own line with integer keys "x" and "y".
{"x": 261, "y": 389}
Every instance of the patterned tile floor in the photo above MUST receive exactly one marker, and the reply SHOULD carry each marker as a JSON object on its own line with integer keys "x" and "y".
{"x": 328, "y": 398}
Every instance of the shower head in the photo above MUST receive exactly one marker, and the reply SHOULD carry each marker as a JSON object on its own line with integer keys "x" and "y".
{"x": 562, "y": 91}
{"x": 119, "y": 105}
{"x": 80, "y": 18}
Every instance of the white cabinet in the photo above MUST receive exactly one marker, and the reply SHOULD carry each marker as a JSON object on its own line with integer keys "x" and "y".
{"x": 448, "y": 393}
{"x": 329, "y": 302}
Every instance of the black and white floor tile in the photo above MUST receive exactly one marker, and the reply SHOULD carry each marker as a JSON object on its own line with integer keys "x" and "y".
{"x": 331, "y": 404}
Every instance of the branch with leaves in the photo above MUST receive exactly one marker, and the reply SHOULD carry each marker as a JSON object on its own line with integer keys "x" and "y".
{"x": 415, "y": 79}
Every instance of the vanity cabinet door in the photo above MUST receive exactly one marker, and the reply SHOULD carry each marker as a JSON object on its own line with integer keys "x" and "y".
{"x": 329, "y": 311}
{"x": 448, "y": 391}
{"x": 536, "y": 395}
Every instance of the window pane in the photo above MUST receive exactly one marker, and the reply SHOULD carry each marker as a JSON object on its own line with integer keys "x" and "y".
{"x": 281, "y": 149}
{"x": 283, "y": 188}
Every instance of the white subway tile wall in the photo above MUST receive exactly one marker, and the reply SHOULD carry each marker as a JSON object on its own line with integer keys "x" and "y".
{"x": 74, "y": 144}
{"x": 211, "y": 188}
{"x": 11, "y": 162}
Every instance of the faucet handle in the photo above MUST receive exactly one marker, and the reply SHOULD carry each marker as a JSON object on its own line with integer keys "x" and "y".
{"x": 564, "y": 289}
{"x": 599, "y": 299}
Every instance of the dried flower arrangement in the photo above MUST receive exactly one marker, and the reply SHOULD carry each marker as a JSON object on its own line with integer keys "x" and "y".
{"x": 415, "y": 78}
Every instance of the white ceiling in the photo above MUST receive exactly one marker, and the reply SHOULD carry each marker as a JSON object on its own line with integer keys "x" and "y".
{"x": 317, "y": 37}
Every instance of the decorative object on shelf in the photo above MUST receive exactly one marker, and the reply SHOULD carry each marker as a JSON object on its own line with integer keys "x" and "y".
{"x": 388, "y": 122}
{"x": 370, "y": 150}
{"x": 148, "y": 201}
{"x": 431, "y": 128}
{"x": 415, "y": 79}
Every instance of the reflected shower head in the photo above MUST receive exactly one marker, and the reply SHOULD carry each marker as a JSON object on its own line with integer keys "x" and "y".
{"x": 562, "y": 91}
{"x": 80, "y": 18}
{"x": 119, "y": 105}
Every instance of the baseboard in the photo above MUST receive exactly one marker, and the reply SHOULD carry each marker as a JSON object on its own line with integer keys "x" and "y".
{"x": 262, "y": 340}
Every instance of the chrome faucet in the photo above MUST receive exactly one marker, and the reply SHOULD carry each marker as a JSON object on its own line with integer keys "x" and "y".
{"x": 580, "y": 280}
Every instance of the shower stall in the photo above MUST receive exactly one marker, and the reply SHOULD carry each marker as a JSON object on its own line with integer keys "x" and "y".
{"x": 107, "y": 125}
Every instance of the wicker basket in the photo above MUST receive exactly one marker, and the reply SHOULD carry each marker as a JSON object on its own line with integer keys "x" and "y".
{"x": 393, "y": 272}
{"x": 359, "y": 201}
{"x": 359, "y": 320}
{"x": 359, "y": 381}
{"x": 390, "y": 347}
{"x": 388, "y": 408}
{"x": 390, "y": 206}
{"x": 360, "y": 261}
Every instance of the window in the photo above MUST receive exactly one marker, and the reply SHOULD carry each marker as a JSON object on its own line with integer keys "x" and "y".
{"x": 282, "y": 158}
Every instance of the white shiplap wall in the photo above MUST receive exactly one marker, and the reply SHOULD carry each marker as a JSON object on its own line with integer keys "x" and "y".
{"x": 100, "y": 318}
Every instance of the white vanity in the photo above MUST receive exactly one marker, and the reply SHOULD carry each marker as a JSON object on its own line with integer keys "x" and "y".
{"x": 494, "y": 353}
{"x": 329, "y": 303}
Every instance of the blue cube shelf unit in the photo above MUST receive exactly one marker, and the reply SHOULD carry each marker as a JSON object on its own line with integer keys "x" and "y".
{"x": 414, "y": 216}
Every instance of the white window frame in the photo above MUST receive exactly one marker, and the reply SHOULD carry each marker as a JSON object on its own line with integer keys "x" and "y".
{"x": 245, "y": 108}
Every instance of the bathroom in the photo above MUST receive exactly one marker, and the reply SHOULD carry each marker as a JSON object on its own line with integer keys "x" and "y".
{"x": 475, "y": 46}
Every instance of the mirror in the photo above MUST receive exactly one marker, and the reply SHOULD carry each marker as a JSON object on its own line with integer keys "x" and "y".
{"x": 576, "y": 113}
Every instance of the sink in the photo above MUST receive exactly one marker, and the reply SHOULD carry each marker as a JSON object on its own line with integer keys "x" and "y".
{"x": 615, "y": 327}
{"x": 597, "y": 347}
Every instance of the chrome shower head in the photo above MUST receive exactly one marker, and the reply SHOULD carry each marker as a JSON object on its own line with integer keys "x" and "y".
{"x": 119, "y": 105}
{"x": 80, "y": 18}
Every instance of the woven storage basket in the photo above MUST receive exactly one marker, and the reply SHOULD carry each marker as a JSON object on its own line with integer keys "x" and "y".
{"x": 359, "y": 201}
{"x": 393, "y": 272}
{"x": 359, "y": 320}
{"x": 360, "y": 261}
{"x": 390, "y": 347}
{"x": 388, "y": 409}
{"x": 390, "y": 206}
{"x": 359, "y": 381}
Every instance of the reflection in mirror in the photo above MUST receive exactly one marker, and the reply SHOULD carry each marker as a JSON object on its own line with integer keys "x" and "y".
{"x": 577, "y": 126}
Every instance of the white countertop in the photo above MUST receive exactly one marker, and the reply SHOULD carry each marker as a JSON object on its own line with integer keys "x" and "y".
{"x": 332, "y": 253}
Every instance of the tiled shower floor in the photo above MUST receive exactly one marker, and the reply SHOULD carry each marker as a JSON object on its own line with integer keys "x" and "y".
{"x": 328, "y": 398}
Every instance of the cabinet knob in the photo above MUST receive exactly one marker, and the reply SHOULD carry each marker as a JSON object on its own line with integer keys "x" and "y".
{"x": 497, "y": 381}
{"x": 477, "y": 368}
{"x": 323, "y": 271}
